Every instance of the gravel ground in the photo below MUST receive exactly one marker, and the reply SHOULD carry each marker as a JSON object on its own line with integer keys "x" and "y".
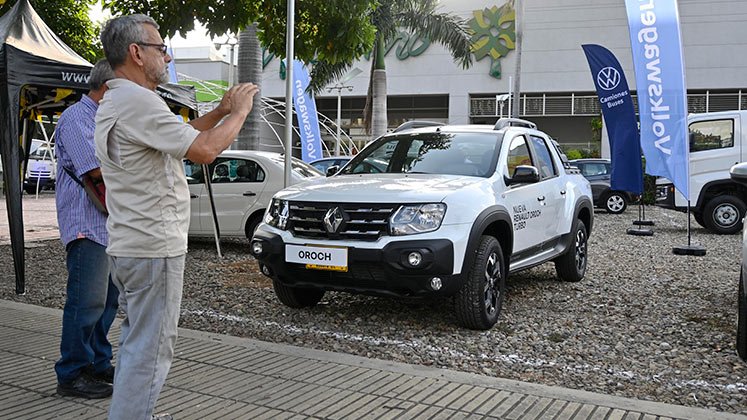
{"x": 643, "y": 323}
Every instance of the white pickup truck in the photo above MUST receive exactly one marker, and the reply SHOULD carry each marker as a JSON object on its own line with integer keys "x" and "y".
{"x": 718, "y": 140}
{"x": 455, "y": 210}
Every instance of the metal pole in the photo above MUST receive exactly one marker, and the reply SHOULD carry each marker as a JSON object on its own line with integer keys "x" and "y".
{"x": 510, "y": 92}
{"x": 288, "y": 133}
{"x": 230, "y": 66}
{"x": 339, "y": 119}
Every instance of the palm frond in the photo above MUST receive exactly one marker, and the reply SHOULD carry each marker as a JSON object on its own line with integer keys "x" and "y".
{"x": 383, "y": 18}
{"x": 446, "y": 29}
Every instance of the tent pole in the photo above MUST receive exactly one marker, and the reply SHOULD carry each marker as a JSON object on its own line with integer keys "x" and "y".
{"x": 216, "y": 226}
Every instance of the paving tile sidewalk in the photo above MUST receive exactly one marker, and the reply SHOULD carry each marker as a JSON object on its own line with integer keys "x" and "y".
{"x": 222, "y": 377}
{"x": 39, "y": 219}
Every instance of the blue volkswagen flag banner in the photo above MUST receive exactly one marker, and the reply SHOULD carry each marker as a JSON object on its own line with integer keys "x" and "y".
{"x": 660, "y": 83}
{"x": 308, "y": 123}
{"x": 619, "y": 116}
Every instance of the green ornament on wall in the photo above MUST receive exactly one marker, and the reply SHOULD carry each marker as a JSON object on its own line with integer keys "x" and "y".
{"x": 493, "y": 33}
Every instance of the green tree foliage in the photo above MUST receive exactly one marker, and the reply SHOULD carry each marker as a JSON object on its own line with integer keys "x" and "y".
{"x": 329, "y": 30}
{"x": 69, "y": 20}
{"x": 418, "y": 16}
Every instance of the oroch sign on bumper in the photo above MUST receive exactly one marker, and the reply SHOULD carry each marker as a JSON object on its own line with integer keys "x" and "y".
{"x": 320, "y": 258}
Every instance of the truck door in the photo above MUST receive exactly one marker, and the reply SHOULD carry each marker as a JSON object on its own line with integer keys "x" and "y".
{"x": 553, "y": 186}
{"x": 527, "y": 203}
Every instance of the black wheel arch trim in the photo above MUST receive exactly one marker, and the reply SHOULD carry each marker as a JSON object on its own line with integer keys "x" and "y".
{"x": 719, "y": 184}
{"x": 489, "y": 216}
{"x": 585, "y": 203}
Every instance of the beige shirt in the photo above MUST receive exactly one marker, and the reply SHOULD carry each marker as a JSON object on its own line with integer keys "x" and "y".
{"x": 140, "y": 144}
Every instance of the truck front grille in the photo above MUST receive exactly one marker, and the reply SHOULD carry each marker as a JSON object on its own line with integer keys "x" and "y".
{"x": 340, "y": 221}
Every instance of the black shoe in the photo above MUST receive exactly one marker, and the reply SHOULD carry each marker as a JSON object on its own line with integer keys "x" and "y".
{"x": 107, "y": 375}
{"x": 84, "y": 387}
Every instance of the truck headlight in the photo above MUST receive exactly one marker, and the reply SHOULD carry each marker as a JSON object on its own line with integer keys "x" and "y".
{"x": 417, "y": 218}
{"x": 277, "y": 214}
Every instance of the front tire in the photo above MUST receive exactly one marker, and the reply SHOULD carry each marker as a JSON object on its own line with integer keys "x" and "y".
{"x": 478, "y": 303}
{"x": 296, "y": 297}
{"x": 615, "y": 202}
{"x": 742, "y": 320}
{"x": 723, "y": 214}
{"x": 251, "y": 226}
{"x": 571, "y": 266}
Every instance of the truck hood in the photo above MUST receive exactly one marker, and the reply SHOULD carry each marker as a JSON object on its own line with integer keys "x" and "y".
{"x": 384, "y": 188}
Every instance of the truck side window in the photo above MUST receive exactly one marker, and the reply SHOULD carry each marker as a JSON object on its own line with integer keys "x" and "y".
{"x": 710, "y": 135}
{"x": 518, "y": 154}
{"x": 544, "y": 161}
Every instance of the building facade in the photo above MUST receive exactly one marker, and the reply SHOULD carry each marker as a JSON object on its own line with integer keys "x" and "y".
{"x": 556, "y": 89}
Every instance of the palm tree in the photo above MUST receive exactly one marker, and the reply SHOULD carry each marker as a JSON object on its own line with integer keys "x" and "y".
{"x": 389, "y": 17}
{"x": 250, "y": 70}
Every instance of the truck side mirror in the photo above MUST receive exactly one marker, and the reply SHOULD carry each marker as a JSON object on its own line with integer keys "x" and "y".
{"x": 524, "y": 174}
{"x": 738, "y": 173}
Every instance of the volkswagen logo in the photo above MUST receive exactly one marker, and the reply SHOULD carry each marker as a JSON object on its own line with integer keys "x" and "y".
{"x": 608, "y": 78}
{"x": 333, "y": 219}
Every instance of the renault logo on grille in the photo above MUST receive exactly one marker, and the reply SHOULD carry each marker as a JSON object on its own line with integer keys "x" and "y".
{"x": 333, "y": 219}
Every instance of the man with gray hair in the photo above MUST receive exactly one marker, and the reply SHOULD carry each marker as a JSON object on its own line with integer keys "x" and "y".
{"x": 84, "y": 369}
{"x": 141, "y": 144}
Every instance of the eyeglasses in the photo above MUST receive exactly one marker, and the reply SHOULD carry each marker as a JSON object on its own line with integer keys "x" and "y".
{"x": 161, "y": 47}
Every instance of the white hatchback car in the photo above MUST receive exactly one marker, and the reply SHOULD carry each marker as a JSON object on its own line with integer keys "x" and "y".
{"x": 243, "y": 184}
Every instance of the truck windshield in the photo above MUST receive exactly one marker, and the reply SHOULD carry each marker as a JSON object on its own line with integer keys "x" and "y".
{"x": 41, "y": 151}
{"x": 470, "y": 154}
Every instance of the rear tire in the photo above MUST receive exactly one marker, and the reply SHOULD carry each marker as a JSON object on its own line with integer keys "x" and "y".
{"x": 723, "y": 214}
{"x": 742, "y": 320}
{"x": 297, "y": 297}
{"x": 478, "y": 303}
{"x": 615, "y": 202}
{"x": 571, "y": 266}
{"x": 699, "y": 219}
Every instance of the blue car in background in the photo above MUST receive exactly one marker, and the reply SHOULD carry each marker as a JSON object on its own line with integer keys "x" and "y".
{"x": 598, "y": 172}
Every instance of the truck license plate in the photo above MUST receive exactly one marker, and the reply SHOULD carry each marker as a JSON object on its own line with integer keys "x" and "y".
{"x": 318, "y": 257}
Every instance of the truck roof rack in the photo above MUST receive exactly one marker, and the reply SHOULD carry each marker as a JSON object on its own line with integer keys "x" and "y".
{"x": 409, "y": 125}
{"x": 513, "y": 122}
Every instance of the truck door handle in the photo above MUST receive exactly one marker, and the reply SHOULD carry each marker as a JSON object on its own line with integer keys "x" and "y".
{"x": 562, "y": 192}
{"x": 193, "y": 196}
{"x": 541, "y": 198}
{"x": 249, "y": 194}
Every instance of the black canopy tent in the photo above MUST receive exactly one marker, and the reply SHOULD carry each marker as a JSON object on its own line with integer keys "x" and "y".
{"x": 40, "y": 75}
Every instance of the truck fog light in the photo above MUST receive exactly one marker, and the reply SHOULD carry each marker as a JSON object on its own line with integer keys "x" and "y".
{"x": 265, "y": 270}
{"x": 414, "y": 258}
{"x": 257, "y": 247}
{"x": 436, "y": 283}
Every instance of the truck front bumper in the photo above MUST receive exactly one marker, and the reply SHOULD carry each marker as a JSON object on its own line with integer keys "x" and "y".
{"x": 374, "y": 271}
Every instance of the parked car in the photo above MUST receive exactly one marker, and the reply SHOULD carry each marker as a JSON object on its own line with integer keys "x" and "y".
{"x": 243, "y": 184}
{"x": 598, "y": 172}
{"x": 324, "y": 163}
{"x": 738, "y": 174}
